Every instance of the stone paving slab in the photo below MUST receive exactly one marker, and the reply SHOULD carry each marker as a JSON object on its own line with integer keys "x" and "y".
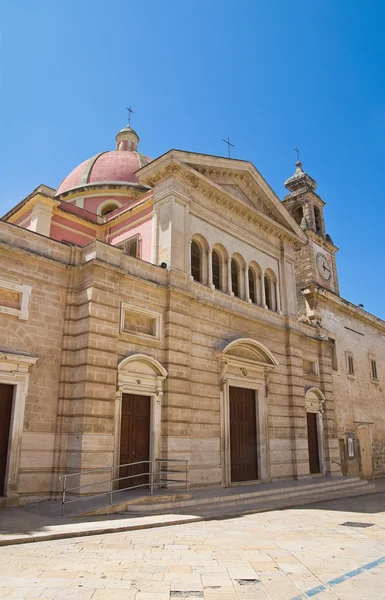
{"x": 38, "y": 523}
{"x": 295, "y": 554}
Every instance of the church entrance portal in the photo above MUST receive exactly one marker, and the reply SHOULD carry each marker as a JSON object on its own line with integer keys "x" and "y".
{"x": 135, "y": 439}
{"x": 243, "y": 435}
{"x": 6, "y": 397}
{"x": 312, "y": 441}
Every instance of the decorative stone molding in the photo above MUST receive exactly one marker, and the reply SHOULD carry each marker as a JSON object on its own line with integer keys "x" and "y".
{"x": 14, "y": 299}
{"x": 246, "y": 363}
{"x": 14, "y": 370}
{"x": 314, "y": 399}
{"x": 142, "y": 375}
{"x": 140, "y": 322}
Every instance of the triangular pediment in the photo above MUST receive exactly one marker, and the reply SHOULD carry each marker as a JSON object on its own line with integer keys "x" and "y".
{"x": 236, "y": 191}
{"x": 242, "y": 181}
{"x": 239, "y": 183}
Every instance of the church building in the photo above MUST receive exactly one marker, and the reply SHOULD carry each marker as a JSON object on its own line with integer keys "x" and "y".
{"x": 177, "y": 309}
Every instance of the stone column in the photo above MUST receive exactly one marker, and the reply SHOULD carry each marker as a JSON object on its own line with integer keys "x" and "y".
{"x": 264, "y": 305}
{"x": 278, "y": 297}
{"x": 210, "y": 268}
{"x": 247, "y": 290}
{"x": 229, "y": 286}
{"x": 189, "y": 259}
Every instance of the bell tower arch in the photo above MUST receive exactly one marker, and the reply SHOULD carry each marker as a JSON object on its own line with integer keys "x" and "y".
{"x": 316, "y": 262}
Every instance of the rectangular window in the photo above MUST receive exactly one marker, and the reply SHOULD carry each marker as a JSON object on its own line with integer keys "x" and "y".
{"x": 373, "y": 368}
{"x": 131, "y": 246}
{"x": 350, "y": 364}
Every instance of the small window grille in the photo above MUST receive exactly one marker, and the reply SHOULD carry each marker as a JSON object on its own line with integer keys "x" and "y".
{"x": 131, "y": 246}
{"x": 373, "y": 366}
{"x": 350, "y": 365}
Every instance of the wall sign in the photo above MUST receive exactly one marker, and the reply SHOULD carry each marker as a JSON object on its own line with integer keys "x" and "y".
{"x": 350, "y": 444}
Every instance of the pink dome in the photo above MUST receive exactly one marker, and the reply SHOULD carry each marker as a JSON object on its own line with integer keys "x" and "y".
{"x": 117, "y": 166}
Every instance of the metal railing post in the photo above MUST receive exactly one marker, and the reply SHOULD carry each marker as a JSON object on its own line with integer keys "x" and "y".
{"x": 63, "y": 497}
{"x": 154, "y": 473}
{"x": 186, "y": 476}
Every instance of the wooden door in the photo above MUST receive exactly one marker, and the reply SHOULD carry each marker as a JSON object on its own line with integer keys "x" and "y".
{"x": 6, "y": 397}
{"x": 312, "y": 441}
{"x": 366, "y": 452}
{"x": 243, "y": 435}
{"x": 135, "y": 439}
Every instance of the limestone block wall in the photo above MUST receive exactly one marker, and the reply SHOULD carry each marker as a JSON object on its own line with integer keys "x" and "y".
{"x": 28, "y": 258}
{"x": 204, "y": 320}
{"x": 358, "y": 398}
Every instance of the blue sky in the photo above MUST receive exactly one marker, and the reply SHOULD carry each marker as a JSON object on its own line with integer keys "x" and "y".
{"x": 271, "y": 74}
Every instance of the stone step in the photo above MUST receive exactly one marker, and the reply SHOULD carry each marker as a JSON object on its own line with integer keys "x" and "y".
{"x": 248, "y": 508}
{"x": 308, "y": 493}
{"x": 172, "y": 501}
{"x": 225, "y": 494}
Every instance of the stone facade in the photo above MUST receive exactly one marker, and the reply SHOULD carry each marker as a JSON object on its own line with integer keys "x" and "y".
{"x": 95, "y": 324}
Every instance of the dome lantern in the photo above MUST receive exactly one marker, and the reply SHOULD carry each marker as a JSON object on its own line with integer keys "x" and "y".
{"x": 127, "y": 139}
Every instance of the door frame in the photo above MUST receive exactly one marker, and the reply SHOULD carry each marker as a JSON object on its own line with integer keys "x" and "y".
{"x": 245, "y": 362}
{"x": 263, "y": 462}
{"x": 314, "y": 402}
{"x": 14, "y": 370}
{"x": 360, "y": 427}
{"x": 140, "y": 375}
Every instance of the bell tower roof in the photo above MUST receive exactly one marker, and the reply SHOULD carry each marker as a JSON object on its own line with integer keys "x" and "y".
{"x": 300, "y": 180}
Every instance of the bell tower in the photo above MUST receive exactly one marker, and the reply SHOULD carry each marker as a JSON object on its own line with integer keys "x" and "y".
{"x": 315, "y": 262}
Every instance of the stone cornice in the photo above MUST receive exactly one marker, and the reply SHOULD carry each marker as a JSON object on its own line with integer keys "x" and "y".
{"x": 347, "y": 307}
{"x": 103, "y": 187}
{"x": 318, "y": 239}
{"x": 41, "y": 191}
{"x": 236, "y": 231}
{"x": 29, "y": 203}
{"x": 304, "y": 193}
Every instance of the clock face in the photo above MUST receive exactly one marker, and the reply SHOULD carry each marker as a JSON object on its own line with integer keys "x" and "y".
{"x": 324, "y": 267}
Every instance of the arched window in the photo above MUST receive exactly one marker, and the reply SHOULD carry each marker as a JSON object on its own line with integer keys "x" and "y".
{"x": 252, "y": 287}
{"x": 235, "y": 278}
{"x": 196, "y": 261}
{"x": 268, "y": 292}
{"x": 216, "y": 265}
{"x": 108, "y": 208}
{"x": 298, "y": 214}
{"x": 317, "y": 220}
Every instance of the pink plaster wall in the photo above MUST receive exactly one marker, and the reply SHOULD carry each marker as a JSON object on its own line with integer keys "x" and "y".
{"x": 145, "y": 231}
{"x": 73, "y": 234}
{"x": 92, "y": 204}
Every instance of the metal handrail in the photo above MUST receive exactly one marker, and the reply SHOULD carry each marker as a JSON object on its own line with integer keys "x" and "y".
{"x": 150, "y": 472}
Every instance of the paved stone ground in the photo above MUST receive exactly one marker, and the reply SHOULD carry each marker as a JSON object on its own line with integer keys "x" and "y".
{"x": 281, "y": 555}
